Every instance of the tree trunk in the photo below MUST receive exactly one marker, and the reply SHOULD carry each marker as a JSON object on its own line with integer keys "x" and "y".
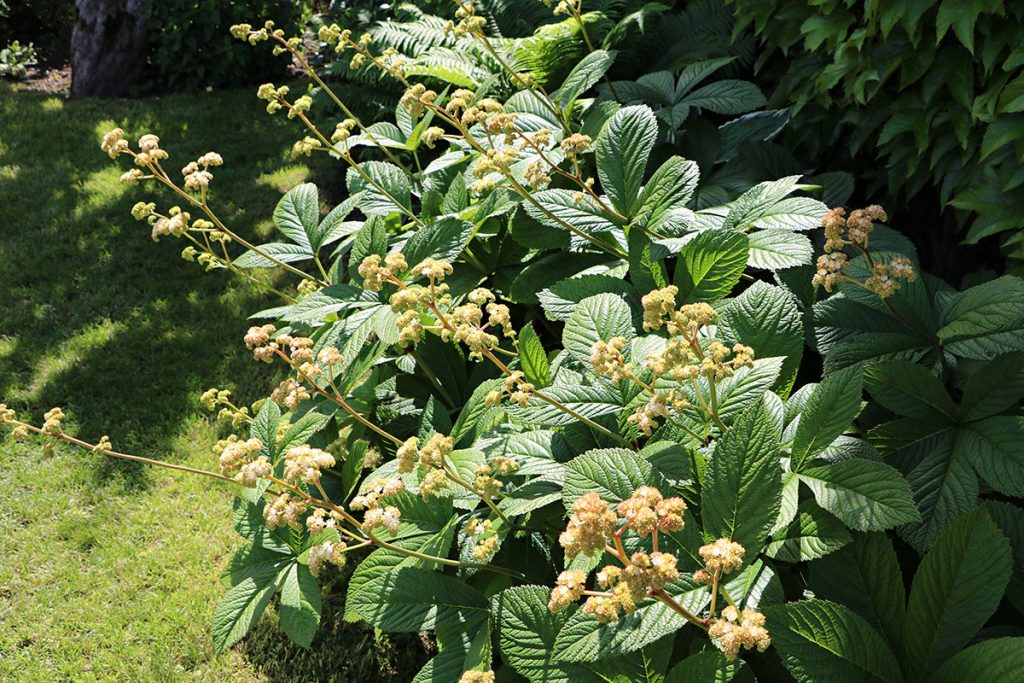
{"x": 108, "y": 47}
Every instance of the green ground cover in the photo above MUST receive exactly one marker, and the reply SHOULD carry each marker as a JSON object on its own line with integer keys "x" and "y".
{"x": 109, "y": 571}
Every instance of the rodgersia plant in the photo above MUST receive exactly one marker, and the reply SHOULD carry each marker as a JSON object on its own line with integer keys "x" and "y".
{"x": 545, "y": 404}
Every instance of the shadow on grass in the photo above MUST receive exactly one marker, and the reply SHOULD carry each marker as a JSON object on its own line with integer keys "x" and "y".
{"x": 96, "y": 318}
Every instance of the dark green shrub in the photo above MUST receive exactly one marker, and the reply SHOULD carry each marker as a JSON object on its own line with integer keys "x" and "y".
{"x": 922, "y": 99}
{"x": 191, "y": 47}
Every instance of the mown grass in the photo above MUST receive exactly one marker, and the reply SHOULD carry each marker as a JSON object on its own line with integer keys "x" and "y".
{"x": 109, "y": 571}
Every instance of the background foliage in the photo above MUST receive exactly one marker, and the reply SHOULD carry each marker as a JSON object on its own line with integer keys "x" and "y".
{"x": 922, "y": 101}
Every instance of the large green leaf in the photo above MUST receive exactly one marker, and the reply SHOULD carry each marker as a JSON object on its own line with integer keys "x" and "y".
{"x": 778, "y": 249}
{"x": 865, "y": 494}
{"x": 996, "y": 449}
{"x": 812, "y": 534}
{"x": 597, "y": 318}
{"x": 944, "y": 484}
{"x": 767, "y": 319}
{"x": 562, "y": 298}
{"x": 527, "y": 631}
{"x": 300, "y": 604}
{"x": 613, "y": 473}
{"x": 412, "y": 599}
{"x": 590, "y": 402}
{"x": 583, "y": 76}
{"x": 555, "y": 208}
{"x": 532, "y": 358}
{"x": 909, "y": 389}
{"x": 727, "y": 96}
{"x": 743, "y": 484}
{"x": 986, "y": 320}
{"x": 830, "y": 409}
{"x": 865, "y": 576}
{"x": 584, "y": 639}
{"x": 442, "y": 239}
{"x": 622, "y": 149}
{"x": 958, "y": 586}
{"x": 820, "y": 640}
{"x": 994, "y": 387}
{"x": 372, "y": 238}
{"x": 242, "y": 607}
{"x": 710, "y": 265}
{"x": 298, "y": 214}
{"x": 709, "y": 666}
{"x": 280, "y": 252}
{"x": 387, "y": 187}
{"x": 1000, "y": 660}
{"x": 671, "y": 187}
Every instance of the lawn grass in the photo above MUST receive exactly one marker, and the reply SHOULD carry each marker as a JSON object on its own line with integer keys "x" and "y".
{"x": 109, "y": 571}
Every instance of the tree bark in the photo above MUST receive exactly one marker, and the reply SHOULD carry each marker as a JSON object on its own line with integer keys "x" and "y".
{"x": 108, "y": 47}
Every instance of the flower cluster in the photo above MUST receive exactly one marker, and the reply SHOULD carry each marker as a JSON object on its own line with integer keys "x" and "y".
{"x": 607, "y": 360}
{"x": 477, "y": 677}
{"x": 289, "y": 394}
{"x": 591, "y": 525}
{"x": 487, "y": 483}
{"x": 238, "y": 459}
{"x": 721, "y": 557}
{"x": 468, "y": 22}
{"x": 647, "y": 511}
{"x": 646, "y": 416}
{"x": 197, "y": 173}
{"x": 320, "y": 520}
{"x": 735, "y": 630}
{"x": 285, "y": 510}
{"x": 885, "y": 277}
{"x": 430, "y": 457}
{"x": 855, "y": 230}
{"x": 258, "y": 339}
{"x": 515, "y": 387}
{"x": 375, "y": 271}
{"x": 303, "y": 463}
{"x": 485, "y": 539}
{"x": 328, "y": 552}
{"x": 626, "y": 586}
{"x": 370, "y": 499}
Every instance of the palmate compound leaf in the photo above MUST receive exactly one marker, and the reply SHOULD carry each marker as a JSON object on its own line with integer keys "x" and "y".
{"x": 820, "y": 640}
{"x": 743, "y": 484}
{"x": 814, "y": 533}
{"x": 958, "y": 586}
